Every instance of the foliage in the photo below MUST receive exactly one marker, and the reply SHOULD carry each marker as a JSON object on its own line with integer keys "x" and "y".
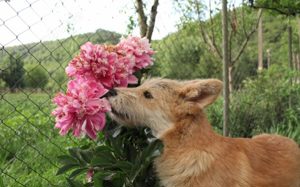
{"x": 2, "y": 84}
{"x": 58, "y": 80}
{"x": 12, "y": 72}
{"x": 286, "y": 7}
{"x": 121, "y": 157}
{"x": 184, "y": 55}
{"x": 36, "y": 77}
{"x": 181, "y": 56}
{"x": 262, "y": 106}
{"x": 263, "y": 102}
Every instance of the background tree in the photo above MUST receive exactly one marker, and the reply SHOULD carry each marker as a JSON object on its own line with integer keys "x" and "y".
{"x": 240, "y": 31}
{"x": 36, "y": 77}
{"x": 13, "y": 73}
{"x": 181, "y": 56}
{"x": 146, "y": 27}
{"x": 288, "y": 8}
{"x": 260, "y": 45}
{"x": 225, "y": 54}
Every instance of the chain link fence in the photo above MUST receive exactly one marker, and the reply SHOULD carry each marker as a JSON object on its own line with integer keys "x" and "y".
{"x": 31, "y": 72}
{"x": 38, "y": 38}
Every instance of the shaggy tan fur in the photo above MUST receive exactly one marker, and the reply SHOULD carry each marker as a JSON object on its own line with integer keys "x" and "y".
{"x": 194, "y": 155}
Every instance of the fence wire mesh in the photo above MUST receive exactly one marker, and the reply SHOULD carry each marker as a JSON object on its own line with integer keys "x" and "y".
{"x": 32, "y": 71}
{"x": 38, "y": 38}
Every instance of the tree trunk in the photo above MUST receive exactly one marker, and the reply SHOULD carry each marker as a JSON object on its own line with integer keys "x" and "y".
{"x": 141, "y": 17}
{"x": 297, "y": 68}
{"x": 298, "y": 62}
{"x": 260, "y": 45}
{"x": 152, "y": 20}
{"x": 145, "y": 29}
{"x": 295, "y": 61}
{"x": 225, "y": 67}
{"x": 269, "y": 57}
{"x": 290, "y": 34}
{"x": 230, "y": 78}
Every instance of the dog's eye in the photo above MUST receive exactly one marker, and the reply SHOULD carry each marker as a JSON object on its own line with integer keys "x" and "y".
{"x": 148, "y": 95}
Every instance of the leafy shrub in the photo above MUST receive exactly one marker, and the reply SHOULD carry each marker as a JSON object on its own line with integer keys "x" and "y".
{"x": 182, "y": 56}
{"x": 264, "y": 103}
{"x": 12, "y": 72}
{"x": 57, "y": 81}
{"x": 2, "y": 84}
{"x": 36, "y": 77}
{"x": 121, "y": 157}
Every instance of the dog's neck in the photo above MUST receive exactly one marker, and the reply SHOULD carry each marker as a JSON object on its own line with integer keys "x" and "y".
{"x": 189, "y": 129}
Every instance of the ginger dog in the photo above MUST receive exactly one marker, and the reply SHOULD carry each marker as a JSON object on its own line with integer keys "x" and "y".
{"x": 194, "y": 155}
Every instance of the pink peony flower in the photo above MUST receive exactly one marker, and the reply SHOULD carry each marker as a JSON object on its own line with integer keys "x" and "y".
{"x": 96, "y": 69}
{"x": 81, "y": 108}
{"x": 137, "y": 48}
{"x": 94, "y": 61}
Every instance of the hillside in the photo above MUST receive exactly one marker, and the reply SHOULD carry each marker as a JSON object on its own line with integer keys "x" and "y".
{"x": 58, "y": 51}
{"x": 52, "y": 56}
{"x": 181, "y": 55}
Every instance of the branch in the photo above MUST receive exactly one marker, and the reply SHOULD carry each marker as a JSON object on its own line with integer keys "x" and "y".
{"x": 142, "y": 18}
{"x": 243, "y": 18}
{"x": 244, "y": 44}
{"x": 207, "y": 39}
{"x": 230, "y": 46}
{"x": 152, "y": 19}
{"x": 211, "y": 23}
{"x": 289, "y": 12}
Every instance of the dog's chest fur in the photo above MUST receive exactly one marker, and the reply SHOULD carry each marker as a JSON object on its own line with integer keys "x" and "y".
{"x": 177, "y": 169}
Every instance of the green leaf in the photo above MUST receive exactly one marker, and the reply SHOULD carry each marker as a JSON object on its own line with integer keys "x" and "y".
{"x": 1, "y": 182}
{"x": 98, "y": 182}
{"x": 86, "y": 155}
{"x": 66, "y": 160}
{"x": 102, "y": 148}
{"x": 73, "y": 183}
{"x": 102, "y": 162}
{"x": 75, "y": 153}
{"x": 99, "y": 177}
{"x": 103, "y": 157}
{"x": 66, "y": 168}
{"x": 117, "y": 132}
{"x": 145, "y": 159}
{"x": 124, "y": 166}
{"x": 77, "y": 172}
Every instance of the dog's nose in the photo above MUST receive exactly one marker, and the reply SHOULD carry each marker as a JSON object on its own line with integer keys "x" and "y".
{"x": 111, "y": 93}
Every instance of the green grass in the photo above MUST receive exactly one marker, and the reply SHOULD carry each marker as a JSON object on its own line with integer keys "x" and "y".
{"x": 29, "y": 143}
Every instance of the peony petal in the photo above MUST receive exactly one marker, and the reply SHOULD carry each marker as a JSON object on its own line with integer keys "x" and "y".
{"x": 90, "y": 131}
{"x": 132, "y": 79}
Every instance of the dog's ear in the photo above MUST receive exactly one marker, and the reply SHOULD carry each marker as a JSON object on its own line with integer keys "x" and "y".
{"x": 202, "y": 92}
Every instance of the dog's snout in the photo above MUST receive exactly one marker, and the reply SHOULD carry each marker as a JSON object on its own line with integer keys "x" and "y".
{"x": 111, "y": 93}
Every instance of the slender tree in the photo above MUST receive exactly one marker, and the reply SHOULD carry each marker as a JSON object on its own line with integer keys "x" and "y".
{"x": 208, "y": 31}
{"x": 286, "y": 7}
{"x": 260, "y": 45}
{"x": 146, "y": 27}
{"x": 13, "y": 75}
{"x": 225, "y": 67}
